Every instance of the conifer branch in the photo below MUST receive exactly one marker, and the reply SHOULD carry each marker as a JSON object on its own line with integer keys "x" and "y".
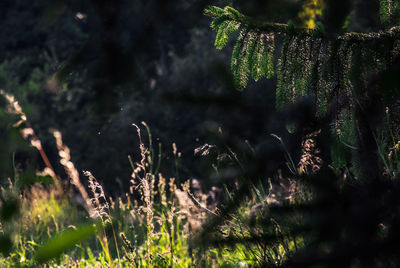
{"x": 289, "y": 29}
{"x": 391, "y": 34}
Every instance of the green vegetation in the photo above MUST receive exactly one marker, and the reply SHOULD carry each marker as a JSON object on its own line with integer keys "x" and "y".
{"x": 155, "y": 230}
{"x": 305, "y": 177}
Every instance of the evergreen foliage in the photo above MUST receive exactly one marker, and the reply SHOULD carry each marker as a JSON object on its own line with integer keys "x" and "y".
{"x": 253, "y": 51}
{"x": 389, "y": 12}
{"x": 304, "y": 51}
{"x": 350, "y": 218}
{"x": 326, "y": 61}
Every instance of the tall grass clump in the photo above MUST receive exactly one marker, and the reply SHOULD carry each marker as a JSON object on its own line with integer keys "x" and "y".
{"x": 155, "y": 224}
{"x": 157, "y": 213}
{"x": 154, "y": 219}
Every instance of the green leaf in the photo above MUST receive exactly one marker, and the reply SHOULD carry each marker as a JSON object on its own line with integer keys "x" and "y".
{"x": 67, "y": 239}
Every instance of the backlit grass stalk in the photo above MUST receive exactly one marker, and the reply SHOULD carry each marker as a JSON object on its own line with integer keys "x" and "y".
{"x": 162, "y": 191}
{"x": 65, "y": 161}
{"x": 72, "y": 172}
{"x": 177, "y": 155}
{"x": 29, "y": 134}
{"x": 143, "y": 179}
{"x": 102, "y": 208}
{"x": 171, "y": 217}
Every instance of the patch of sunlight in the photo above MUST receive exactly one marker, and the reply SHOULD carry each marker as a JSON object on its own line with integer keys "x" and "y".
{"x": 311, "y": 9}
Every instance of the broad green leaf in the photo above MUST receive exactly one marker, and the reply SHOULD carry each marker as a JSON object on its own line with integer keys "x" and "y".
{"x": 67, "y": 239}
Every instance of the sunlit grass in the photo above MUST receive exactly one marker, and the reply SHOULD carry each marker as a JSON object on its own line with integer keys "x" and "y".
{"x": 155, "y": 224}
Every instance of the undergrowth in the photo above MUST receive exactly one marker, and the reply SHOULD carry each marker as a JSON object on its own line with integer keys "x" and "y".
{"x": 46, "y": 221}
{"x": 155, "y": 224}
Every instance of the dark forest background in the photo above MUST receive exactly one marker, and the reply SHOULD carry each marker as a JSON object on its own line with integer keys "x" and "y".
{"x": 92, "y": 68}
